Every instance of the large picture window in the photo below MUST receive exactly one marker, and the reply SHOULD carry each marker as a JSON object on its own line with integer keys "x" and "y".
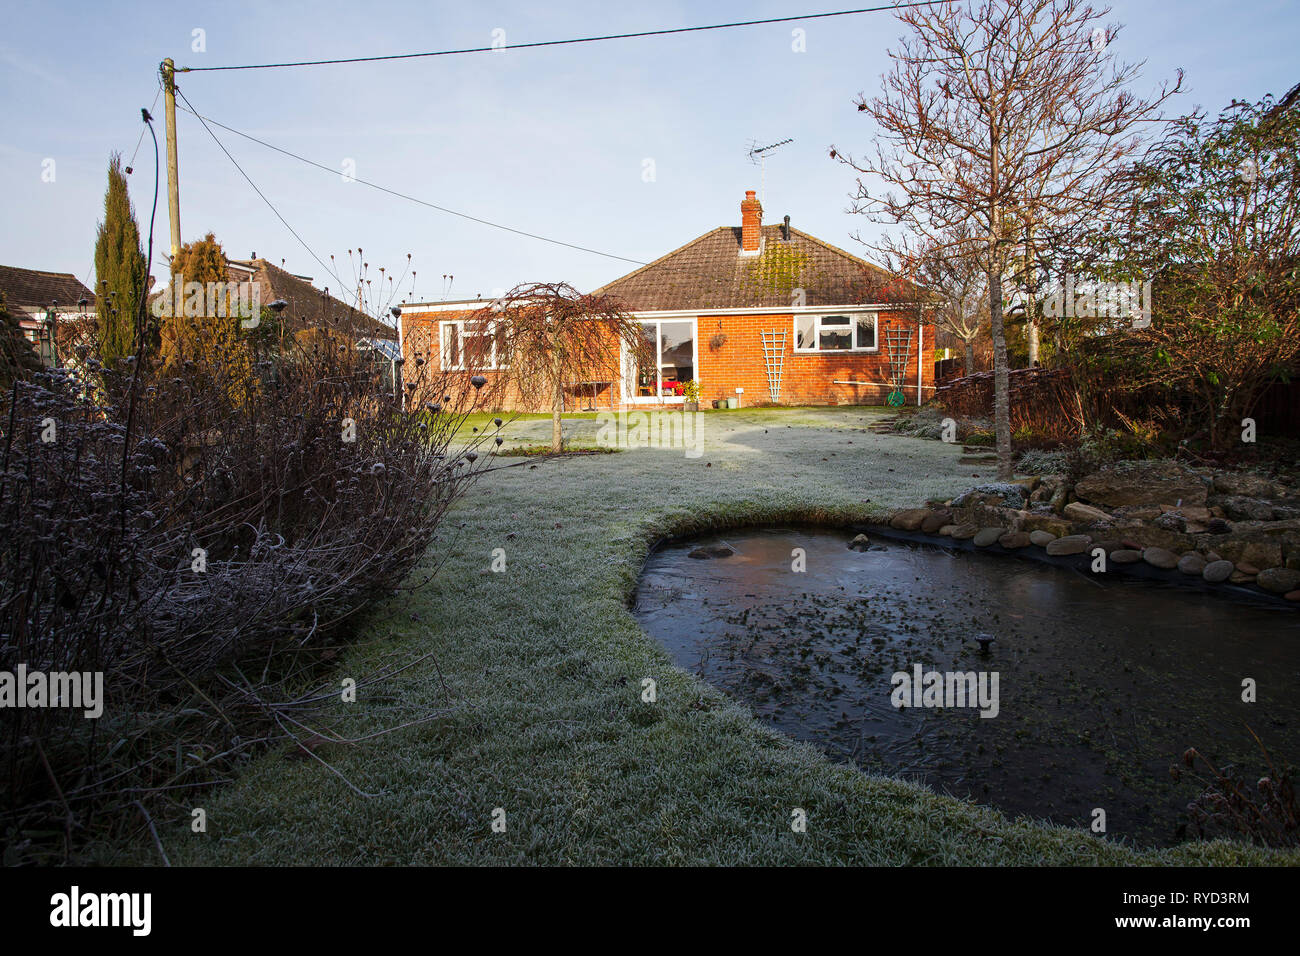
{"x": 835, "y": 333}
{"x": 472, "y": 344}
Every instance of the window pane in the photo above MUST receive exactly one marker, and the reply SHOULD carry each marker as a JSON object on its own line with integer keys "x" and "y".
{"x": 866, "y": 332}
{"x": 835, "y": 320}
{"x": 677, "y": 351}
{"x": 805, "y": 332}
{"x": 648, "y": 375}
{"x": 503, "y": 347}
{"x": 450, "y": 346}
{"x": 836, "y": 339}
{"x": 477, "y": 349}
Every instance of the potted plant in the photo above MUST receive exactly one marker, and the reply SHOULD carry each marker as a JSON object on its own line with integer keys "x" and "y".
{"x": 691, "y": 394}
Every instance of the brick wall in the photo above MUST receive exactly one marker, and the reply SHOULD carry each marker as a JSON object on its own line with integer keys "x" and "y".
{"x": 806, "y": 379}
{"x": 420, "y": 339}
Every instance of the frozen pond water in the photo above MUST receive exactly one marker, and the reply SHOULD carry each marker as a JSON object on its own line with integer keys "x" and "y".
{"x": 1102, "y": 683}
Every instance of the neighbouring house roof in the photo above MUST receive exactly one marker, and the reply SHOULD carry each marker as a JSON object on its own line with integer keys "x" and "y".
{"x": 309, "y": 307}
{"x": 711, "y": 273}
{"x": 31, "y": 288}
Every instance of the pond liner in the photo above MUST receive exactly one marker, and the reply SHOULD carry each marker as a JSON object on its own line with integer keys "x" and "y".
{"x": 1082, "y": 563}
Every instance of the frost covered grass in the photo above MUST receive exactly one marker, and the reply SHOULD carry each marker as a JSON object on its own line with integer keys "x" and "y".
{"x": 536, "y": 674}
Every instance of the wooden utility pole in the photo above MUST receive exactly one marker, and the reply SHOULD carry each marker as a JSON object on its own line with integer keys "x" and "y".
{"x": 173, "y": 171}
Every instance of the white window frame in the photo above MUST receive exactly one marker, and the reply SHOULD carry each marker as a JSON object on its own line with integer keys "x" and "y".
{"x": 458, "y": 328}
{"x": 629, "y": 366}
{"x": 817, "y": 318}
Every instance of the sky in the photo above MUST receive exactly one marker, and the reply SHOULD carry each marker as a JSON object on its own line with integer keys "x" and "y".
{"x": 629, "y": 147}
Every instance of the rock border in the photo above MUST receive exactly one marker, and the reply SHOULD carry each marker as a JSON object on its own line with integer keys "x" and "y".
{"x": 1142, "y": 569}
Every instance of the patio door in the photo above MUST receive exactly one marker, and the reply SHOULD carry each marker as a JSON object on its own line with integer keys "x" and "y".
{"x": 672, "y": 346}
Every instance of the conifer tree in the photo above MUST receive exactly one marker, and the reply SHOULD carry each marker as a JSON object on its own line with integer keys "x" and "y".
{"x": 120, "y": 269}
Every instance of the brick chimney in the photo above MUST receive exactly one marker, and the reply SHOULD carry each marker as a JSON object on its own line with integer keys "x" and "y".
{"x": 751, "y": 222}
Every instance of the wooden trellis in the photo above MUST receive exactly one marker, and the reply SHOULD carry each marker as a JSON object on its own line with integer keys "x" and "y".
{"x": 774, "y": 359}
{"x": 898, "y": 343}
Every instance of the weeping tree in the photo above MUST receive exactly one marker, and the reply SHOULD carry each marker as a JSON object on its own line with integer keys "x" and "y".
{"x": 1000, "y": 114}
{"x": 120, "y": 270}
{"x": 548, "y": 335}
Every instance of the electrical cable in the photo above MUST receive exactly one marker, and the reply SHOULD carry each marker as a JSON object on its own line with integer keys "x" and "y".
{"x": 569, "y": 42}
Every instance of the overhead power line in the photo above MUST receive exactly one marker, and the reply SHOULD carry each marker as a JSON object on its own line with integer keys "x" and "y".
{"x": 569, "y": 42}
{"x": 342, "y": 286}
{"x": 189, "y": 108}
{"x": 209, "y": 122}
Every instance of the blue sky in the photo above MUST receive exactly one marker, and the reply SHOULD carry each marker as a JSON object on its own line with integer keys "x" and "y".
{"x": 551, "y": 141}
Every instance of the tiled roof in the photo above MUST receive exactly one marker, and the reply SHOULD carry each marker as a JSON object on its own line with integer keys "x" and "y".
{"x": 310, "y": 307}
{"x": 710, "y": 273}
{"x": 33, "y": 288}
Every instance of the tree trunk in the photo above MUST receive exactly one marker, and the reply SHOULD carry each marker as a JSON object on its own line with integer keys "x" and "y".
{"x": 1031, "y": 306}
{"x": 1001, "y": 381}
{"x": 997, "y": 268}
{"x": 970, "y": 356}
{"x": 557, "y": 402}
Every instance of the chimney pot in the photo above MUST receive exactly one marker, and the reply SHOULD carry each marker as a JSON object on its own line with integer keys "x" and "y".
{"x": 751, "y": 222}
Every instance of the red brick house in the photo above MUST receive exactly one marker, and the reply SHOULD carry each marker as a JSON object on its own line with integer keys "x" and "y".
{"x": 760, "y": 314}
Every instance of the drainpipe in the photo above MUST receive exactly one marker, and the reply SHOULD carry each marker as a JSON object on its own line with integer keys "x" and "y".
{"x": 397, "y": 369}
{"x": 920, "y": 351}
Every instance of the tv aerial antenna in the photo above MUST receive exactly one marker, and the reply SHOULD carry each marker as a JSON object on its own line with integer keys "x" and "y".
{"x": 758, "y": 156}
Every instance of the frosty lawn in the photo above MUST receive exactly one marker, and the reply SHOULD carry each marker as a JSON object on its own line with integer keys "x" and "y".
{"x": 537, "y": 675}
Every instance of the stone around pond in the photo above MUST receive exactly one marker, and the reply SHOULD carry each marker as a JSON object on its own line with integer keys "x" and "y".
{"x": 1143, "y": 483}
{"x": 1014, "y": 539}
{"x": 1078, "y": 511}
{"x": 860, "y": 543}
{"x": 1041, "y": 538}
{"x": 909, "y": 519}
{"x": 1126, "y": 556}
{"x": 1052, "y": 524}
{"x": 1160, "y": 558}
{"x": 1217, "y": 571}
{"x": 1192, "y": 563}
{"x": 1070, "y": 544}
{"x": 964, "y": 532}
{"x": 988, "y": 536}
{"x": 935, "y": 521}
{"x": 1278, "y": 580}
{"x": 1251, "y": 486}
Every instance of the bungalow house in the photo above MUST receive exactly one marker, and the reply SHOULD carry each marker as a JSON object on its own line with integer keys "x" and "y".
{"x": 759, "y": 314}
{"x": 41, "y": 300}
{"x": 307, "y": 307}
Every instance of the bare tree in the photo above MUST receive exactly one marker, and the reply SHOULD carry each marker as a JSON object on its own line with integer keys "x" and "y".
{"x": 549, "y": 335}
{"x": 998, "y": 113}
{"x": 953, "y": 278}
